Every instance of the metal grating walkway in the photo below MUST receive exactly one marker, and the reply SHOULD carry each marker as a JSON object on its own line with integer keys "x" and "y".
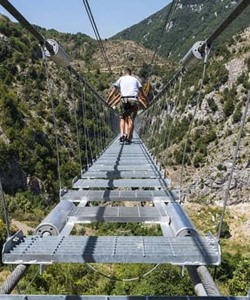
{"x": 123, "y": 166}
{"x": 112, "y": 249}
{"x": 122, "y": 173}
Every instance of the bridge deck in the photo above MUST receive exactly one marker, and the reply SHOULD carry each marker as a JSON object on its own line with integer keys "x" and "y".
{"x": 121, "y": 173}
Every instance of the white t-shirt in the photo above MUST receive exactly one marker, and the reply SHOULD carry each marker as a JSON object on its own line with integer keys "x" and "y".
{"x": 128, "y": 85}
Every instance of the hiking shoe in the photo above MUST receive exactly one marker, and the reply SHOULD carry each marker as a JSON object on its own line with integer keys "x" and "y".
{"x": 122, "y": 139}
{"x": 127, "y": 141}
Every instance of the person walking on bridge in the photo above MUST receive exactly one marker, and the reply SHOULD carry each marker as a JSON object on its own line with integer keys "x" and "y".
{"x": 131, "y": 94}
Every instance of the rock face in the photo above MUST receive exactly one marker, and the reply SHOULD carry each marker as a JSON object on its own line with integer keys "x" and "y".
{"x": 208, "y": 181}
{"x": 212, "y": 187}
{"x": 13, "y": 178}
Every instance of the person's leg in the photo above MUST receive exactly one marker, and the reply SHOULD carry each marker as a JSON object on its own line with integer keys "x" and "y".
{"x": 122, "y": 111}
{"x": 122, "y": 126}
{"x": 130, "y": 128}
{"x": 133, "y": 114}
{"x": 127, "y": 127}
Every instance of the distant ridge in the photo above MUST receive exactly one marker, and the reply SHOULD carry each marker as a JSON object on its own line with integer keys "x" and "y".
{"x": 193, "y": 20}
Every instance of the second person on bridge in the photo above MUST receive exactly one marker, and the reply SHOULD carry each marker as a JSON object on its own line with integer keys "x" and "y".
{"x": 131, "y": 94}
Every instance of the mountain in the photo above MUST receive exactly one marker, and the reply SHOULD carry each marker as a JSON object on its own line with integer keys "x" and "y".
{"x": 192, "y": 20}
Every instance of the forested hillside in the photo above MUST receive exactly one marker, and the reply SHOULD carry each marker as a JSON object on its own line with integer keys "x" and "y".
{"x": 191, "y": 21}
{"x": 28, "y": 159}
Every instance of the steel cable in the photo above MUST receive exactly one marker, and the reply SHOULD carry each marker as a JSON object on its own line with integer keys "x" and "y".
{"x": 160, "y": 42}
{"x": 123, "y": 279}
{"x": 176, "y": 103}
{"x": 237, "y": 147}
{"x": 207, "y": 51}
{"x": 85, "y": 127}
{"x": 96, "y": 32}
{"x": 54, "y": 119}
{"x": 169, "y": 122}
{"x": 74, "y": 99}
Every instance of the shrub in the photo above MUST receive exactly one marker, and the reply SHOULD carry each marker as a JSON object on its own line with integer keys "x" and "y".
{"x": 213, "y": 106}
{"x": 225, "y": 230}
{"x": 237, "y": 114}
{"x": 198, "y": 160}
{"x": 228, "y": 107}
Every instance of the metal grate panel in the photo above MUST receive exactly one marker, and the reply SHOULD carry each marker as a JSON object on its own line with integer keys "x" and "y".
{"x": 132, "y": 164}
{"x": 111, "y": 195}
{"x": 124, "y": 167}
{"x": 121, "y": 174}
{"x": 117, "y": 214}
{"x": 112, "y": 249}
{"x": 121, "y": 183}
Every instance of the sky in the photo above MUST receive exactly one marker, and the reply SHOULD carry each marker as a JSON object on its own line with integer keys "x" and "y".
{"x": 111, "y": 16}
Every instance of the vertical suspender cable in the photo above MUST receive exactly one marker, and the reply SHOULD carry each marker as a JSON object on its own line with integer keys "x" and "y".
{"x": 169, "y": 121}
{"x": 102, "y": 127}
{"x": 94, "y": 126}
{"x": 106, "y": 125}
{"x": 233, "y": 165}
{"x": 86, "y": 129}
{"x": 207, "y": 51}
{"x": 154, "y": 129}
{"x": 84, "y": 117}
{"x": 74, "y": 99}
{"x": 176, "y": 103}
{"x": 54, "y": 120}
{"x": 98, "y": 123}
{"x": 161, "y": 109}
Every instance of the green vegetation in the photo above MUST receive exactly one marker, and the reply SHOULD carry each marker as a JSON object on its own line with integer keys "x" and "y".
{"x": 194, "y": 19}
{"x": 27, "y": 142}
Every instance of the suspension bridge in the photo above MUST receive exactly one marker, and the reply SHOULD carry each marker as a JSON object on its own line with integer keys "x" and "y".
{"x": 119, "y": 174}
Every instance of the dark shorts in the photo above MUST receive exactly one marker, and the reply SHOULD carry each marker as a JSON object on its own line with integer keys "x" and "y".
{"x": 128, "y": 109}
